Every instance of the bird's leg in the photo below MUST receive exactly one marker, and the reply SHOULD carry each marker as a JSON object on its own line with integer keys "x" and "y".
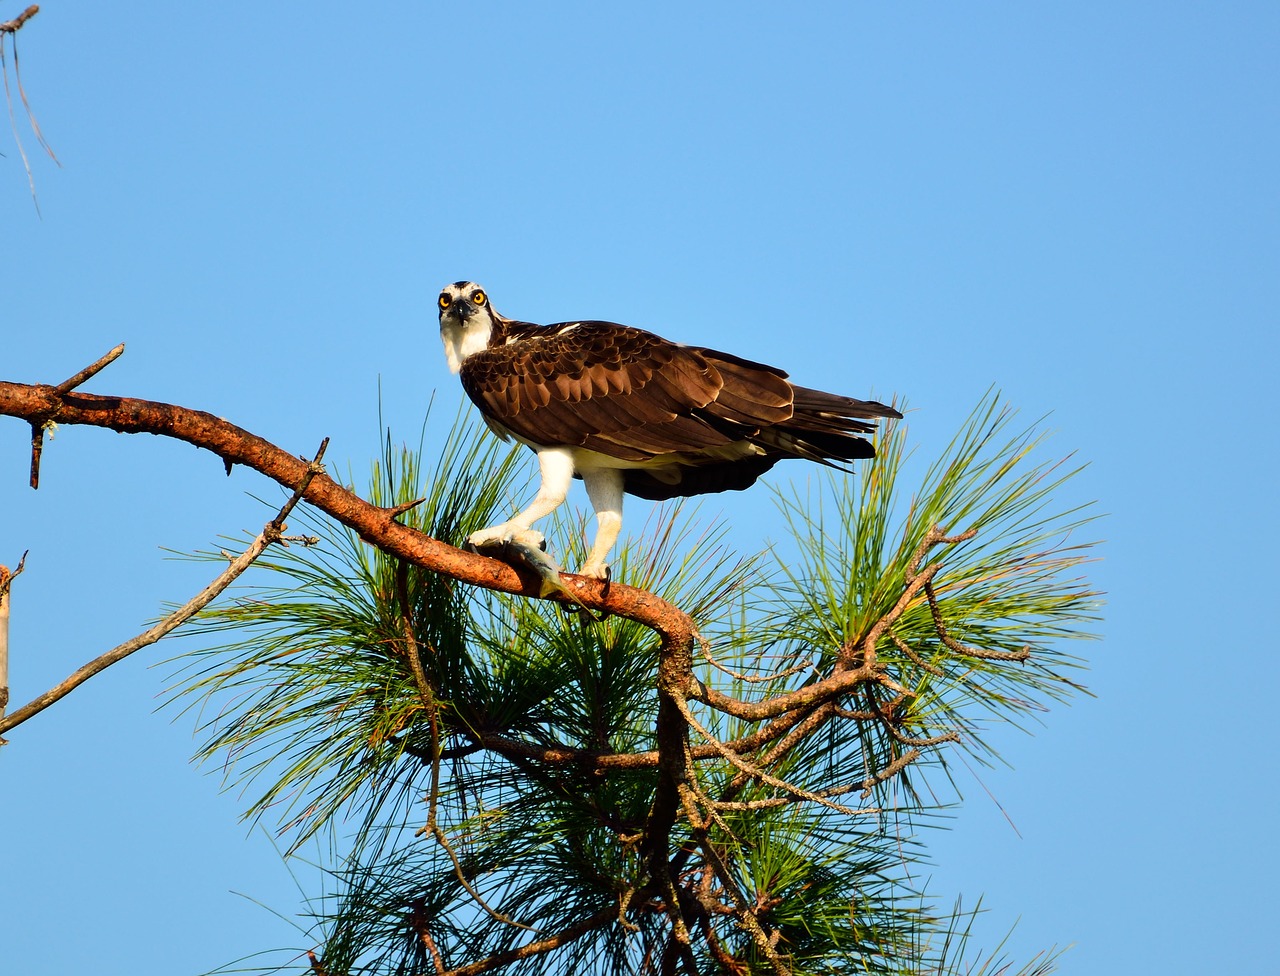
{"x": 604, "y": 488}
{"x": 556, "y": 466}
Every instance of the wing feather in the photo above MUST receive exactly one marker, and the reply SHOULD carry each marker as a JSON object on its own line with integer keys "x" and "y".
{"x": 634, "y": 396}
{"x": 613, "y": 388}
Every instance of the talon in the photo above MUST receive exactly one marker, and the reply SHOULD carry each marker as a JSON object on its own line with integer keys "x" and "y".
{"x": 531, "y": 538}
{"x": 495, "y": 535}
{"x": 598, "y": 571}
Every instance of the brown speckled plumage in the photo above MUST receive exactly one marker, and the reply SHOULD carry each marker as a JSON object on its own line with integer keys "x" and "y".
{"x": 630, "y": 412}
{"x": 629, "y": 394}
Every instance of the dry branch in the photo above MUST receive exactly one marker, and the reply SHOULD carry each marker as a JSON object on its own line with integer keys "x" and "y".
{"x": 39, "y": 403}
{"x": 271, "y": 532}
{"x": 6, "y": 583}
{"x": 13, "y": 26}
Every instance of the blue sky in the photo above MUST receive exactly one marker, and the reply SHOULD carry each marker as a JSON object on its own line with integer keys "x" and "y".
{"x": 1074, "y": 203}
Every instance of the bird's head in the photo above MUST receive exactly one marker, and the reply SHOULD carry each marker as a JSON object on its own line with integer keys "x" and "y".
{"x": 466, "y": 321}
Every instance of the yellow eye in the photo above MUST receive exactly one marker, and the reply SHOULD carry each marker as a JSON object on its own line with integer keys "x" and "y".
{"x": 445, "y": 300}
{"x": 478, "y": 298}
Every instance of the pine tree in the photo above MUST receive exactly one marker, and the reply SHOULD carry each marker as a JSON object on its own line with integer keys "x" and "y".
{"x": 515, "y": 786}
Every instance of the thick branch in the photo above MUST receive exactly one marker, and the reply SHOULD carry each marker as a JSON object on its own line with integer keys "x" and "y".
{"x": 37, "y": 404}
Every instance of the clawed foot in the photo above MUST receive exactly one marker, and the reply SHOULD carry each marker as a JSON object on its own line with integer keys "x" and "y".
{"x": 598, "y": 571}
{"x": 528, "y": 548}
{"x": 499, "y": 535}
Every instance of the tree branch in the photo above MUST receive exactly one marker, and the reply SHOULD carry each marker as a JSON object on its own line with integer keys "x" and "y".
{"x": 6, "y": 582}
{"x": 271, "y": 532}
{"x": 41, "y": 404}
{"x": 38, "y": 403}
{"x": 15, "y": 25}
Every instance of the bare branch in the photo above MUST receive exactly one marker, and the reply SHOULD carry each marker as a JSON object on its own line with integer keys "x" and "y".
{"x": 38, "y": 429}
{"x": 398, "y": 510}
{"x": 6, "y": 582}
{"x": 932, "y": 538}
{"x": 67, "y": 385}
{"x": 433, "y": 828}
{"x": 742, "y": 911}
{"x": 270, "y": 533}
{"x": 418, "y": 921}
{"x": 940, "y": 626}
{"x": 13, "y": 26}
{"x": 37, "y": 449}
{"x": 40, "y": 403}
{"x": 9, "y": 29}
{"x": 839, "y": 682}
{"x": 411, "y": 642}
{"x": 427, "y": 694}
{"x": 906, "y": 649}
{"x": 705, "y": 648}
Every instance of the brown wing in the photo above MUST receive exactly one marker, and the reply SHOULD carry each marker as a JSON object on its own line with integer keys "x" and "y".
{"x": 622, "y": 391}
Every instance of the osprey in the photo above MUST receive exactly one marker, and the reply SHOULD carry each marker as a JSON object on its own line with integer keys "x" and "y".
{"x": 628, "y": 411}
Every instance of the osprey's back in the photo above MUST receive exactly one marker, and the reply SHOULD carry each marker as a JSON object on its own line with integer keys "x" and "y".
{"x": 627, "y": 410}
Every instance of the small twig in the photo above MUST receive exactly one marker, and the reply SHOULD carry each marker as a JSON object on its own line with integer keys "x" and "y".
{"x": 624, "y": 902}
{"x": 865, "y": 784}
{"x": 438, "y": 834}
{"x": 411, "y": 642}
{"x": 37, "y": 449}
{"x": 270, "y": 533}
{"x": 22, "y": 93}
{"x": 427, "y": 695}
{"x": 6, "y": 581}
{"x": 67, "y": 385}
{"x": 418, "y": 920}
{"x": 916, "y": 578}
{"x": 746, "y": 915}
{"x": 892, "y": 727}
{"x": 13, "y": 26}
{"x": 7, "y": 578}
{"x": 940, "y": 626}
{"x": 302, "y": 540}
{"x": 889, "y": 771}
{"x": 781, "y": 801}
{"x": 705, "y": 647}
{"x": 430, "y": 943}
{"x": 906, "y": 649}
{"x": 932, "y": 538}
{"x": 398, "y": 510}
{"x": 754, "y": 772}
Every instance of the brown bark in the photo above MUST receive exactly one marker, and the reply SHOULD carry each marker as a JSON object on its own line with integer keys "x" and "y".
{"x": 39, "y": 404}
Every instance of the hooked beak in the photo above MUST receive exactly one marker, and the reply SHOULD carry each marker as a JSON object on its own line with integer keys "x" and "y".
{"x": 461, "y": 309}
